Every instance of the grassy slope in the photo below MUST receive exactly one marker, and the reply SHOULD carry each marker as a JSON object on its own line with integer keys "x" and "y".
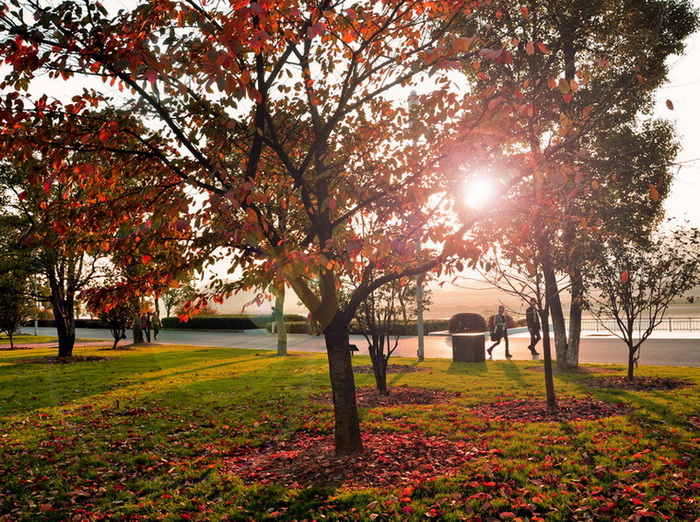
{"x": 147, "y": 433}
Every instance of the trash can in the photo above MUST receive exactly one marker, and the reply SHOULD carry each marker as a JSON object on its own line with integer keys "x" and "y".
{"x": 468, "y": 347}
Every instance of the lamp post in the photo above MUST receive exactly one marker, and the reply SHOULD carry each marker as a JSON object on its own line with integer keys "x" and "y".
{"x": 413, "y": 103}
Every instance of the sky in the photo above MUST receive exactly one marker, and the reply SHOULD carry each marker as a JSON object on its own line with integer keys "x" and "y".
{"x": 683, "y": 203}
{"x": 683, "y": 89}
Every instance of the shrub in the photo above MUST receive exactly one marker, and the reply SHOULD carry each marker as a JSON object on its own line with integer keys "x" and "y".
{"x": 467, "y": 323}
{"x": 410, "y": 328}
{"x": 219, "y": 322}
{"x": 510, "y": 322}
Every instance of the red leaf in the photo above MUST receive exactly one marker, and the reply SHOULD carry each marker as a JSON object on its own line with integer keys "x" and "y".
{"x": 146, "y": 259}
{"x": 624, "y": 277}
{"x": 669, "y": 104}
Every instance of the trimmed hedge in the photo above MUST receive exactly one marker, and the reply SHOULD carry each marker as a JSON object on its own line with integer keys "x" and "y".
{"x": 429, "y": 325}
{"x": 510, "y": 322}
{"x": 226, "y": 322}
{"x": 467, "y": 323}
{"x": 79, "y": 323}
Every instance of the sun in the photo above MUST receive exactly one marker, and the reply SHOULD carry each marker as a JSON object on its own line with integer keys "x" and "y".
{"x": 478, "y": 192}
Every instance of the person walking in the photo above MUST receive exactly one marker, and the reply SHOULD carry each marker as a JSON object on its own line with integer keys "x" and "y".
{"x": 146, "y": 326}
{"x": 533, "y": 325}
{"x": 500, "y": 331}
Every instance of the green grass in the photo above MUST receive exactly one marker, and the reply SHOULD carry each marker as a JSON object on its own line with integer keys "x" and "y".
{"x": 25, "y": 339}
{"x": 147, "y": 433}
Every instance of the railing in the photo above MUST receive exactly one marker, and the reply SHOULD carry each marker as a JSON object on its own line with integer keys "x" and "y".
{"x": 668, "y": 324}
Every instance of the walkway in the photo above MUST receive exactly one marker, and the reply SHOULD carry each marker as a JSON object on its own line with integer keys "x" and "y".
{"x": 663, "y": 348}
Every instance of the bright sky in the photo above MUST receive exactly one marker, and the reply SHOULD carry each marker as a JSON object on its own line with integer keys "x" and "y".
{"x": 683, "y": 90}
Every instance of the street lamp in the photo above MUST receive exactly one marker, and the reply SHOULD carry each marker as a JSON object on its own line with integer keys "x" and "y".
{"x": 412, "y": 105}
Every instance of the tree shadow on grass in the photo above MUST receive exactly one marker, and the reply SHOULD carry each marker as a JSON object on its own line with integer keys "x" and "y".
{"x": 467, "y": 369}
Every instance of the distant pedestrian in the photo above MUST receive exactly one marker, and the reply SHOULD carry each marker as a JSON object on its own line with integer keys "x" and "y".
{"x": 533, "y": 325}
{"x": 500, "y": 331}
{"x": 155, "y": 324}
{"x": 146, "y": 326}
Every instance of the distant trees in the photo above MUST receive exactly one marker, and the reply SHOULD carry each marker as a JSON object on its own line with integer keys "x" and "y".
{"x": 634, "y": 284}
{"x": 380, "y": 318}
{"x": 118, "y": 318}
{"x": 15, "y": 304}
{"x": 583, "y": 75}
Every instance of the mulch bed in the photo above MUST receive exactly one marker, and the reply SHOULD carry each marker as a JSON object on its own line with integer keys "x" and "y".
{"x": 54, "y": 359}
{"x": 388, "y": 460}
{"x": 369, "y": 397}
{"x": 535, "y": 410}
{"x": 638, "y": 384}
{"x": 392, "y": 368}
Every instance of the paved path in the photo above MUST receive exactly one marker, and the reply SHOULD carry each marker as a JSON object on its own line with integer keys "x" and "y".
{"x": 663, "y": 348}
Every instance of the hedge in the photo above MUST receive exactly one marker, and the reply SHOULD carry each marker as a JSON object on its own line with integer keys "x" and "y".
{"x": 467, "y": 323}
{"x": 411, "y": 328}
{"x": 225, "y": 322}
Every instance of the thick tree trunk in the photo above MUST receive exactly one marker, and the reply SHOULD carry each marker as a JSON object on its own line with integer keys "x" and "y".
{"x": 65, "y": 326}
{"x": 137, "y": 330}
{"x": 278, "y": 318}
{"x": 347, "y": 421}
{"x": 557, "y": 315}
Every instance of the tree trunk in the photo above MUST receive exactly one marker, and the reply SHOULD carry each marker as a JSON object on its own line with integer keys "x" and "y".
{"x": 347, "y": 421}
{"x": 572, "y": 352}
{"x": 547, "y": 350}
{"x": 631, "y": 360}
{"x": 278, "y": 318}
{"x": 137, "y": 330}
{"x": 557, "y": 314}
{"x": 65, "y": 326}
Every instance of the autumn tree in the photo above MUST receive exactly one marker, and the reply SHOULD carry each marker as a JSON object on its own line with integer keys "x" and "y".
{"x": 382, "y": 318}
{"x": 579, "y": 74}
{"x": 251, "y": 99}
{"x": 118, "y": 318}
{"x": 634, "y": 284}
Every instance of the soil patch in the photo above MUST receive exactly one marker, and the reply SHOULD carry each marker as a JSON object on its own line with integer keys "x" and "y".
{"x": 54, "y": 359}
{"x": 392, "y": 368}
{"x": 535, "y": 410}
{"x": 638, "y": 384}
{"x": 369, "y": 397}
{"x": 388, "y": 460}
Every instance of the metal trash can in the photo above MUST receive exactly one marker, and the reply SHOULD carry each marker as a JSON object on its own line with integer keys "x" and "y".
{"x": 468, "y": 347}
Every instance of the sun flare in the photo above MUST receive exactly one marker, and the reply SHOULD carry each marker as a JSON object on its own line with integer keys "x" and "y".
{"x": 478, "y": 193}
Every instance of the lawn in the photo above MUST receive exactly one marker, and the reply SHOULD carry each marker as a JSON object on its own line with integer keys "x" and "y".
{"x": 192, "y": 433}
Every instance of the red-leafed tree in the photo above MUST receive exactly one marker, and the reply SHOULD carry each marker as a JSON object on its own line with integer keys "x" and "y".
{"x": 78, "y": 210}
{"x": 284, "y": 116}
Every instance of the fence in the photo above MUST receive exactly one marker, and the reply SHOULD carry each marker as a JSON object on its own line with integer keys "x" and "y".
{"x": 668, "y": 324}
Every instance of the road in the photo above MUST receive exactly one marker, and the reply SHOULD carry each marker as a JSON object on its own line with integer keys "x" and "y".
{"x": 663, "y": 348}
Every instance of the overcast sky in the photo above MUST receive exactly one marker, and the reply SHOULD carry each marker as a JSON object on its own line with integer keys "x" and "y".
{"x": 683, "y": 90}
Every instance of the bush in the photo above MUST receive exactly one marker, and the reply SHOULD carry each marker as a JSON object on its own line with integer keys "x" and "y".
{"x": 467, "y": 323}
{"x": 218, "y": 322}
{"x": 510, "y": 322}
{"x": 411, "y": 328}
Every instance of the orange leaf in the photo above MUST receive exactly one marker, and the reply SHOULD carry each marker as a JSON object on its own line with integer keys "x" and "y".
{"x": 654, "y": 193}
{"x": 624, "y": 277}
